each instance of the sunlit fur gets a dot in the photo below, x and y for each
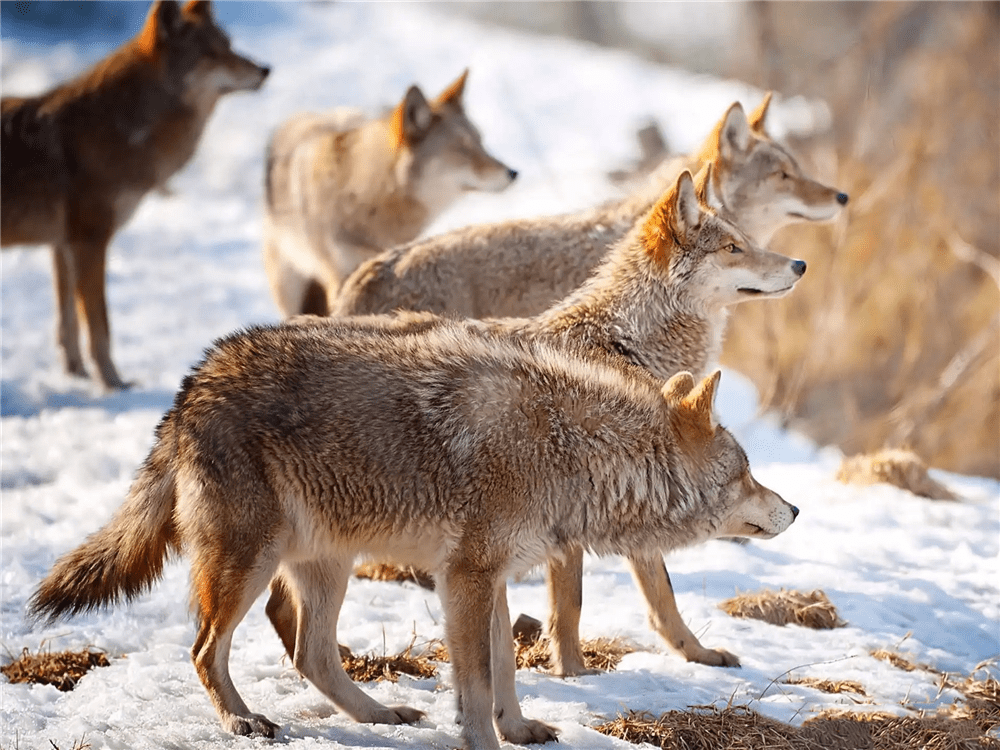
(340, 188)
(474, 454)
(521, 267)
(76, 161)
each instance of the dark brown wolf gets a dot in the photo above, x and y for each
(75, 162)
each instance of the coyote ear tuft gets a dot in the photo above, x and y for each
(704, 185)
(412, 117)
(734, 135)
(678, 387)
(701, 400)
(453, 94)
(758, 117)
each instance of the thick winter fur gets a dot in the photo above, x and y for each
(519, 268)
(77, 160)
(340, 190)
(659, 300)
(470, 453)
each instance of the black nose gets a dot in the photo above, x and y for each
(799, 266)
(842, 199)
(795, 512)
(512, 173)
(265, 71)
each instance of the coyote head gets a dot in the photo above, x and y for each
(195, 53)
(709, 261)
(756, 183)
(741, 506)
(442, 150)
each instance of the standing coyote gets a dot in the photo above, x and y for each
(75, 162)
(469, 453)
(340, 190)
(659, 300)
(521, 267)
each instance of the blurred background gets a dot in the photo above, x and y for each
(897, 342)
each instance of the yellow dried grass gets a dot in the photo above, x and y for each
(374, 668)
(386, 572)
(740, 728)
(828, 686)
(811, 610)
(62, 669)
(898, 467)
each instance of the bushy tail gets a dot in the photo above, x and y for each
(125, 557)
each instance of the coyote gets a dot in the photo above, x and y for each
(519, 268)
(340, 190)
(75, 162)
(659, 300)
(464, 451)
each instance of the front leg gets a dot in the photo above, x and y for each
(654, 582)
(506, 708)
(467, 595)
(565, 602)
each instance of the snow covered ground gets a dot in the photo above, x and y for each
(902, 571)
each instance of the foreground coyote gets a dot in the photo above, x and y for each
(521, 267)
(470, 453)
(76, 162)
(340, 190)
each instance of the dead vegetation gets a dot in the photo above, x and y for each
(374, 668)
(828, 686)
(900, 468)
(598, 653)
(385, 572)
(811, 610)
(893, 337)
(741, 728)
(62, 669)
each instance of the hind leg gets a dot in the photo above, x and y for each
(316, 592)
(224, 590)
(506, 708)
(67, 325)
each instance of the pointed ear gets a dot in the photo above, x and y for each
(198, 9)
(758, 116)
(701, 400)
(687, 213)
(163, 19)
(412, 117)
(453, 94)
(734, 135)
(704, 186)
(677, 388)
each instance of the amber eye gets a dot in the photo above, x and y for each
(784, 175)
(735, 249)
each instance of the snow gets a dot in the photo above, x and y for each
(903, 571)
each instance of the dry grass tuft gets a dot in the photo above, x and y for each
(811, 610)
(598, 653)
(828, 686)
(901, 662)
(740, 728)
(384, 572)
(63, 669)
(900, 468)
(980, 704)
(372, 668)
